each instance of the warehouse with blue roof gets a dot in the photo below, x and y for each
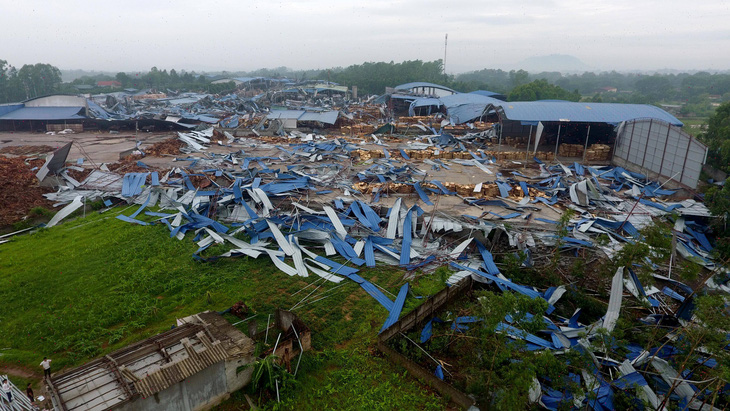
(642, 138)
(639, 137)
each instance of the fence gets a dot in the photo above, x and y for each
(416, 317)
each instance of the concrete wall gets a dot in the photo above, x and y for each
(198, 392)
(717, 175)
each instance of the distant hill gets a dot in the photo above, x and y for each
(553, 62)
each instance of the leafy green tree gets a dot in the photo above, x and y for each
(717, 138)
(502, 371)
(373, 78)
(4, 80)
(39, 79)
(518, 78)
(541, 90)
(718, 201)
(123, 78)
(656, 87)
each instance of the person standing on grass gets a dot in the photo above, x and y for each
(29, 393)
(6, 390)
(46, 364)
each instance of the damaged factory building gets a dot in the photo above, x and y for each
(323, 186)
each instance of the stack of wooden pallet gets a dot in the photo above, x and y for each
(598, 152)
(570, 150)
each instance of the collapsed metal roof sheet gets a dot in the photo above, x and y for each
(463, 107)
(290, 114)
(327, 117)
(532, 112)
(408, 86)
(44, 113)
(486, 93)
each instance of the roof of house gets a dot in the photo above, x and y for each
(151, 365)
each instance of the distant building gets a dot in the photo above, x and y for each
(607, 90)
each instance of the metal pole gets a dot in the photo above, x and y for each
(588, 133)
(557, 142)
(529, 139)
(501, 127)
(266, 339)
(301, 349)
(277, 344)
(239, 322)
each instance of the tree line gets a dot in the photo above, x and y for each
(697, 93)
(29, 81)
(34, 80)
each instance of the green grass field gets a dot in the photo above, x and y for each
(95, 284)
(693, 121)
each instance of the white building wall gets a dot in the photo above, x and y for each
(57, 101)
(660, 150)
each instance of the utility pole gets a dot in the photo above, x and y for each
(446, 41)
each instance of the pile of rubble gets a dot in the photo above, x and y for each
(20, 191)
(308, 208)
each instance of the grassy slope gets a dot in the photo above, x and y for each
(93, 285)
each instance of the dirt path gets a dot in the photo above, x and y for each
(20, 372)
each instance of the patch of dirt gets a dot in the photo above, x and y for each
(79, 175)
(26, 150)
(128, 165)
(19, 189)
(167, 147)
(21, 372)
(200, 182)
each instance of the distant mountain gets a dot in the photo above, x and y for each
(554, 62)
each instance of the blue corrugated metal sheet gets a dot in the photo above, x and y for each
(532, 112)
(397, 307)
(44, 113)
(7, 108)
(487, 93)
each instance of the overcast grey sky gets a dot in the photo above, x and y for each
(129, 35)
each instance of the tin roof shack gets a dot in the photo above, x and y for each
(190, 367)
